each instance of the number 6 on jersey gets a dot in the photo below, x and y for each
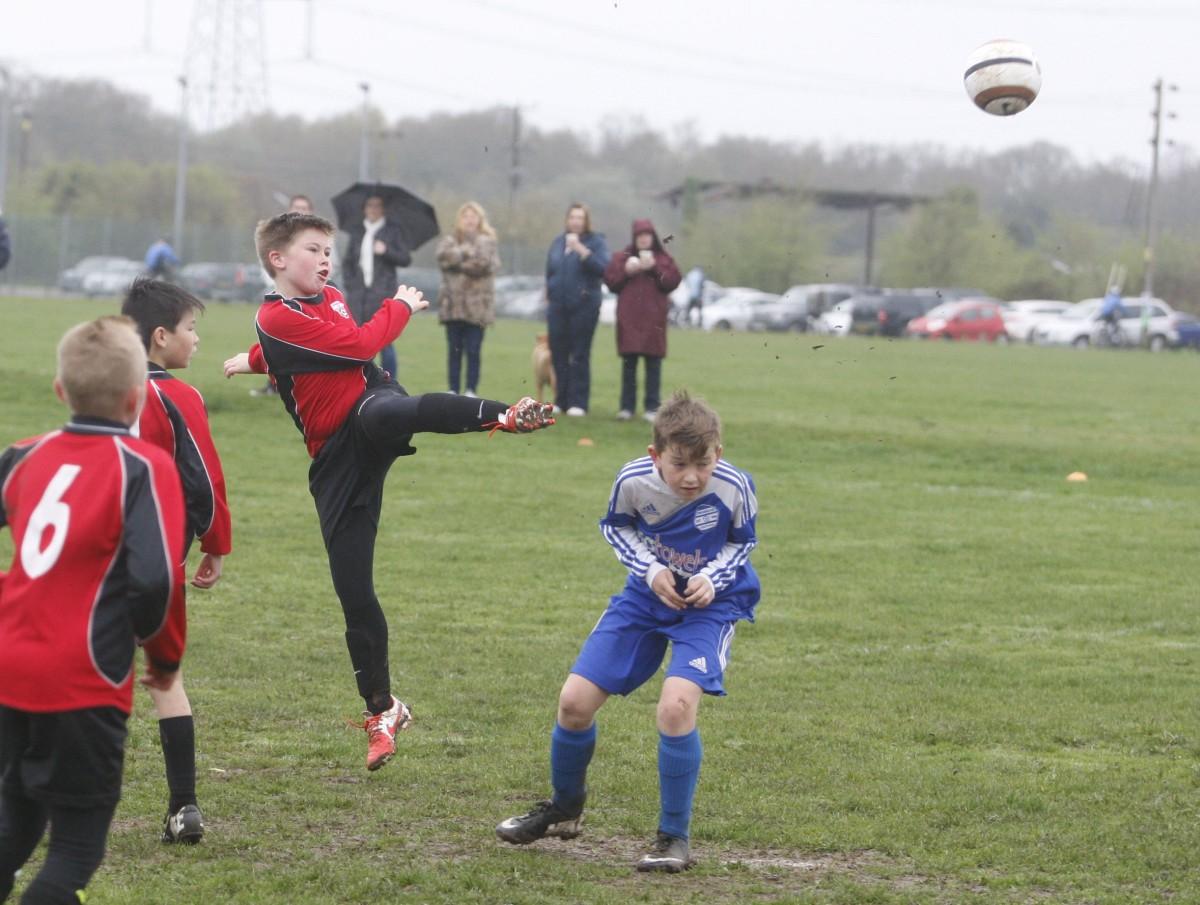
(51, 512)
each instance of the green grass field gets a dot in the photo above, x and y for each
(969, 679)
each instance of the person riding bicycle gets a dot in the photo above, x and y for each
(1111, 312)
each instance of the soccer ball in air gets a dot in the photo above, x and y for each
(1002, 77)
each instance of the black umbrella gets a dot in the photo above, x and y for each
(414, 216)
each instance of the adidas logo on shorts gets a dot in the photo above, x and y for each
(700, 664)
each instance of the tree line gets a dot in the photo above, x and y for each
(1027, 222)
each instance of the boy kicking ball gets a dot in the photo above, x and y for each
(681, 521)
(356, 420)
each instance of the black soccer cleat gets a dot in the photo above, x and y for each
(668, 853)
(185, 826)
(546, 819)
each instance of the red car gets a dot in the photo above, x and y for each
(968, 319)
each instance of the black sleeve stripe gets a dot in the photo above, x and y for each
(11, 460)
(198, 493)
(110, 645)
(146, 548)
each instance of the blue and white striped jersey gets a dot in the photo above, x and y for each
(651, 529)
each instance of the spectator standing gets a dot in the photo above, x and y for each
(643, 275)
(5, 245)
(574, 267)
(377, 247)
(694, 281)
(469, 260)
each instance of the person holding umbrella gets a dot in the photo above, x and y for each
(377, 247)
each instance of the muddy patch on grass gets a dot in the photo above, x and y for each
(733, 874)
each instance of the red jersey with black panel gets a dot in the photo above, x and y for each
(319, 358)
(97, 521)
(175, 420)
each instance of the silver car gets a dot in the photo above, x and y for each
(1081, 325)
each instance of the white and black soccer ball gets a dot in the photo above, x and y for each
(1003, 77)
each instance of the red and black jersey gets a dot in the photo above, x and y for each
(175, 420)
(97, 520)
(319, 358)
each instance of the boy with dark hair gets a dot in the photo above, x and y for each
(681, 521)
(97, 521)
(176, 420)
(356, 420)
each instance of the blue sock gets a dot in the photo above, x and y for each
(679, 759)
(570, 754)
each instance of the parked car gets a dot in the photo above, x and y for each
(898, 308)
(1187, 330)
(427, 279)
(799, 306)
(733, 310)
(71, 279)
(970, 320)
(521, 296)
(856, 314)
(224, 282)
(608, 306)
(1080, 325)
(1022, 318)
(113, 278)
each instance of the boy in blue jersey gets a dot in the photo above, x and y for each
(681, 521)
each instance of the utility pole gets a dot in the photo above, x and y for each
(364, 141)
(181, 168)
(308, 40)
(1148, 230)
(514, 183)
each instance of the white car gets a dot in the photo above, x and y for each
(837, 320)
(679, 300)
(1080, 325)
(734, 309)
(1022, 319)
(113, 279)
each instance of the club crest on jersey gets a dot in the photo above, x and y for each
(340, 307)
(706, 518)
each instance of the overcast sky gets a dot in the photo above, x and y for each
(880, 71)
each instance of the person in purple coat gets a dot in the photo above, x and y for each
(643, 275)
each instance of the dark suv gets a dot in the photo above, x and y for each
(898, 308)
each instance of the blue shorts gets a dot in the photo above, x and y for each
(629, 642)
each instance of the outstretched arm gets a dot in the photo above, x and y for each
(239, 364)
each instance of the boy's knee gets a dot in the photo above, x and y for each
(676, 714)
(575, 711)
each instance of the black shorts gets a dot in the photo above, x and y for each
(72, 758)
(352, 466)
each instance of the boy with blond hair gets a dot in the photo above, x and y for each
(97, 521)
(175, 420)
(681, 520)
(356, 420)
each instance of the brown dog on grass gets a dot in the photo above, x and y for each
(543, 368)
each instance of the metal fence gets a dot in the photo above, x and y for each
(43, 247)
